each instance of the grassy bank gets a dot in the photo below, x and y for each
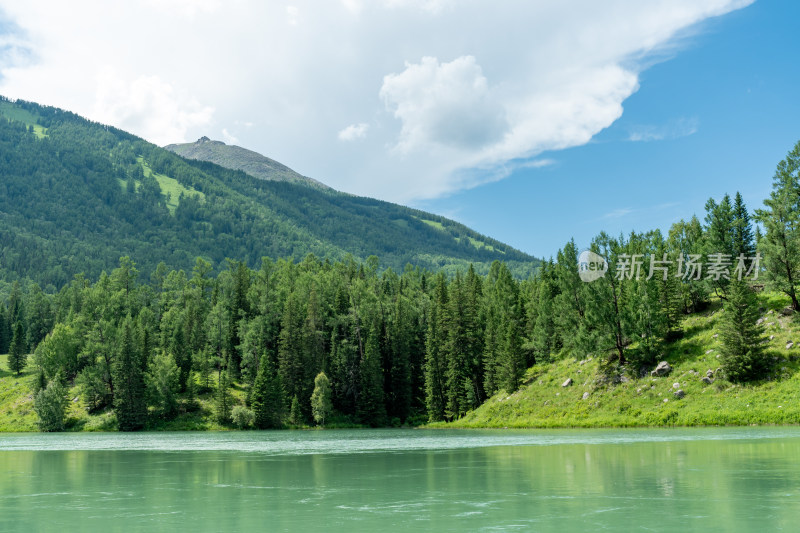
(596, 397)
(624, 399)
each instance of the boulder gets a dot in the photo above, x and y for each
(585, 396)
(707, 380)
(567, 383)
(789, 345)
(662, 369)
(676, 385)
(787, 311)
(710, 373)
(679, 394)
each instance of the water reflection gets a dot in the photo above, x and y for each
(734, 485)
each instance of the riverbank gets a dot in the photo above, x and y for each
(568, 393)
(594, 398)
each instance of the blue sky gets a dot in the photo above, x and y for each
(531, 121)
(727, 104)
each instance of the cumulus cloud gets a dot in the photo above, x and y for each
(148, 106)
(447, 104)
(353, 132)
(455, 93)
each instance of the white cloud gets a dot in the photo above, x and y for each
(292, 13)
(147, 106)
(455, 93)
(228, 138)
(674, 129)
(446, 104)
(353, 132)
(431, 6)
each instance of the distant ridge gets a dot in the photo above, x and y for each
(76, 195)
(238, 158)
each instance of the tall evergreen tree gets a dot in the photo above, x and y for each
(544, 341)
(743, 240)
(370, 406)
(291, 346)
(780, 244)
(504, 359)
(223, 401)
(435, 353)
(569, 301)
(742, 350)
(129, 386)
(267, 399)
(5, 330)
(17, 353)
(456, 351)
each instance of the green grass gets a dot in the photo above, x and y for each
(627, 401)
(432, 223)
(16, 400)
(171, 189)
(632, 401)
(11, 112)
(477, 244)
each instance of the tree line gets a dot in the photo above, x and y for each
(346, 341)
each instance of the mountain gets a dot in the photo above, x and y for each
(76, 195)
(238, 158)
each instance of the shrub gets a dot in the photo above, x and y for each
(242, 417)
(50, 405)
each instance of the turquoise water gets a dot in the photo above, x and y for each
(737, 479)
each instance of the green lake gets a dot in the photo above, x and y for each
(723, 479)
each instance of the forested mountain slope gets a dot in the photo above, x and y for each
(75, 196)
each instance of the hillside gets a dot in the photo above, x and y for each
(238, 158)
(625, 399)
(614, 400)
(77, 195)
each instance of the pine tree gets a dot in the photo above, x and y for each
(128, 378)
(781, 218)
(569, 301)
(742, 229)
(321, 406)
(473, 333)
(435, 356)
(267, 398)
(544, 324)
(456, 351)
(370, 407)
(295, 414)
(742, 349)
(291, 346)
(504, 358)
(17, 354)
(5, 330)
(223, 402)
